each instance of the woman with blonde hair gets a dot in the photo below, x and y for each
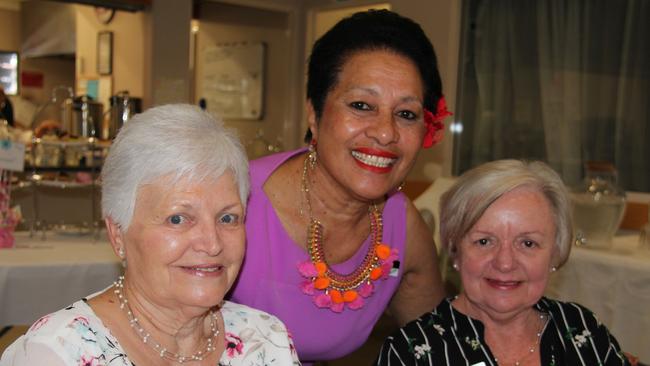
(507, 227)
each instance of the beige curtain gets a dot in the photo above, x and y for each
(564, 81)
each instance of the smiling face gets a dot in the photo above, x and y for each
(185, 244)
(372, 124)
(505, 259)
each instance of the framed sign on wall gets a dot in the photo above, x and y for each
(105, 53)
(233, 80)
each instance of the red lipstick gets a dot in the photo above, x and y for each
(374, 152)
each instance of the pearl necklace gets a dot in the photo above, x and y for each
(532, 348)
(146, 337)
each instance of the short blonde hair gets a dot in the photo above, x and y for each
(466, 201)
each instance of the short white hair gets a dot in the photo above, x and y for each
(176, 141)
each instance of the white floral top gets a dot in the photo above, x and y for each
(76, 336)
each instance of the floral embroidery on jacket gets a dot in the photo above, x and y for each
(474, 343)
(439, 329)
(581, 339)
(422, 350)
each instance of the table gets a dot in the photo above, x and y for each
(41, 276)
(615, 285)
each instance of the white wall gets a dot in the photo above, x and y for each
(128, 48)
(441, 21)
(9, 27)
(285, 31)
(226, 23)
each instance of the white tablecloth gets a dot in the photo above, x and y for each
(615, 285)
(42, 276)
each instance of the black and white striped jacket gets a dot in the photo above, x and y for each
(573, 336)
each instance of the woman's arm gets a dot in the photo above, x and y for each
(421, 287)
(29, 354)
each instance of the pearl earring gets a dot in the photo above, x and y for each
(553, 269)
(120, 253)
(455, 265)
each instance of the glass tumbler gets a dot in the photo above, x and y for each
(598, 206)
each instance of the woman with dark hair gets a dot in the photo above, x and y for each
(332, 243)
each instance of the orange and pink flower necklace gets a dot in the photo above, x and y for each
(328, 288)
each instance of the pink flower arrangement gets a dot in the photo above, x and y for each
(6, 237)
(9, 218)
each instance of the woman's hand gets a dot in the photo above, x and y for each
(634, 361)
(48, 126)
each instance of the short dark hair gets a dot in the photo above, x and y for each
(370, 30)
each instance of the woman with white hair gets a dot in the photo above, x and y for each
(507, 226)
(174, 190)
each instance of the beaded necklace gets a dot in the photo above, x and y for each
(146, 337)
(331, 289)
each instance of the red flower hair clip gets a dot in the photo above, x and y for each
(434, 125)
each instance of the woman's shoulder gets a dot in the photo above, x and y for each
(580, 326)
(263, 169)
(255, 334)
(235, 314)
(434, 324)
(63, 320)
(574, 320)
(72, 334)
(266, 165)
(569, 312)
(421, 339)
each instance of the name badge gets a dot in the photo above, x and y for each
(394, 271)
(12, 155)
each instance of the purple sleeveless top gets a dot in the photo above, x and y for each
(269, 279)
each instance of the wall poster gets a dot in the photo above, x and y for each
(105, 53)
(233, 80)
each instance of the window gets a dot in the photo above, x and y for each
(9, 72)
(563, 81)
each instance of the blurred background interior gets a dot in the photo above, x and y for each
(567, 82)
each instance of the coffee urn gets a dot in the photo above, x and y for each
(123, 107)
(82, 116)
